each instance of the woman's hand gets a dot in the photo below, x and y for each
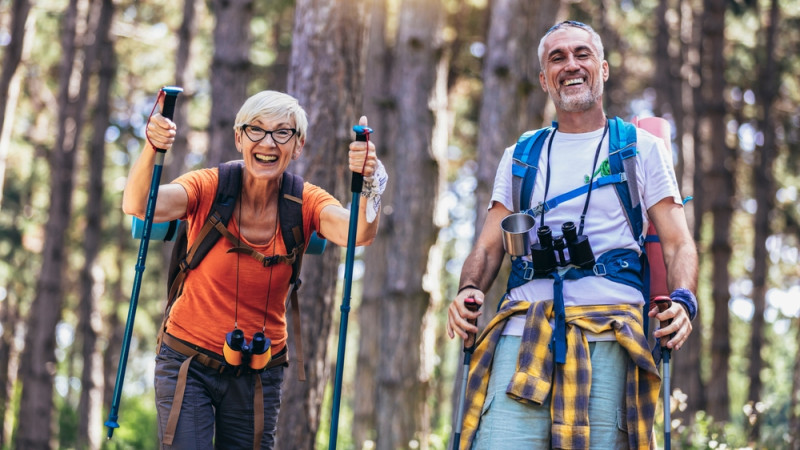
(161, 132)
(363, 160)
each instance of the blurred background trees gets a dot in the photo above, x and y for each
(447, 85)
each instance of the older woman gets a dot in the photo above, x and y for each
(231, 290)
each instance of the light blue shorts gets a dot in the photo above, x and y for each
(508, 424)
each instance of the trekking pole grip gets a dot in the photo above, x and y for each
(362, 135)
(473, 306)
(168, 110)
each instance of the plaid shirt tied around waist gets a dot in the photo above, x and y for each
(537, 374)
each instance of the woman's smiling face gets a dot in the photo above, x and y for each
(267, 157)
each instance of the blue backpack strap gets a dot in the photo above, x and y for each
(622, 153)
(525, 166)
(621, 158)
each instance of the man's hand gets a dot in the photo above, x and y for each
(462, 318)
(676, 324)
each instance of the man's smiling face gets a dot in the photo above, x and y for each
(572, 71)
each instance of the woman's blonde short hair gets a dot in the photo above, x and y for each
(273, 105)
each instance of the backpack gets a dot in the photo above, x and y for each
(185, 258)
(622, 165)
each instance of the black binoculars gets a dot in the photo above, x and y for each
(255, 354)
(560, 251)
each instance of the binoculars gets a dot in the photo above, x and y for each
(560, 251)
(255, 354)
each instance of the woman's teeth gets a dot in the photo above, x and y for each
(266, 158)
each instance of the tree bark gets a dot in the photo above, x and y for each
(38, 358)
(114, 328)
(380, 108)
(404, 372)
(9, 88)
(326, 76)
(764, 193)
(229, 75)
(91, 283)
(184, 78)
(720, 180)
(685, 367)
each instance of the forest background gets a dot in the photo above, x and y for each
(447, 85)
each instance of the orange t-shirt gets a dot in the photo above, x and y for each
(208, 308)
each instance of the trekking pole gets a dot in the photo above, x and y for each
(664, 303)
(471, 305)
(356, 185)
(170, 96)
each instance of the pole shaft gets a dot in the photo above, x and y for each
(356, 186)
(461, 400)
(667, 389)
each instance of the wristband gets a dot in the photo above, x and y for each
(372, 190)
(685, 298)
(469, 286)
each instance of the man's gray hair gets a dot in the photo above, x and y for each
(596, 41)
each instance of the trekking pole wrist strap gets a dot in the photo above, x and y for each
(687, 299)
(372, 189)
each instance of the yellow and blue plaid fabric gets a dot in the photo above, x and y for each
(537, 375)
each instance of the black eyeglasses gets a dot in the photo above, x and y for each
(257, 134)
(573, 23)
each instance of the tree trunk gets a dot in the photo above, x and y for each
(380, 108)
(92, 284)
(114, 328)
(721, 182)
(404, 370)
(38, 364)
(229, 75)
(184, 78)
(9, 82)
(764, 193)
(326, 76)
(685, 373)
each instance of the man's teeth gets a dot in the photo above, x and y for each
(266, 158)
(573, 81)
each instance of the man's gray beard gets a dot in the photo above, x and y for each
(579, 102)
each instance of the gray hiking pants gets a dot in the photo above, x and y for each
(218, 409)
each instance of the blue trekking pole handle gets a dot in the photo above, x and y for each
(356, 185)
(168, 110)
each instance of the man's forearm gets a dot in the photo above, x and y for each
(479, 270)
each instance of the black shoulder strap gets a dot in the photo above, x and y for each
(185, 257)
(230, 183)
(290, 209)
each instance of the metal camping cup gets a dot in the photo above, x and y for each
(516, 237)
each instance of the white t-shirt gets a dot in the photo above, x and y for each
(572, 156)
